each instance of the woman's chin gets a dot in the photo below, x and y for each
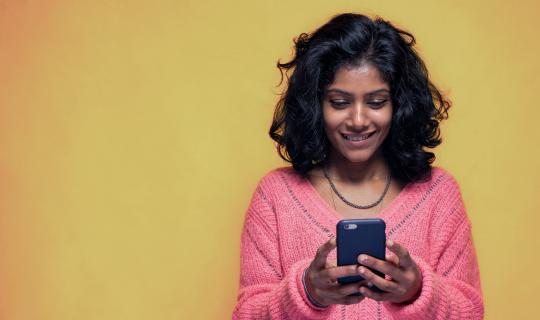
(359, 159)
(362, 157)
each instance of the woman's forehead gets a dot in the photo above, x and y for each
(358, 79)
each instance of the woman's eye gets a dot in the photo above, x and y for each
(339, 103)
(377, 103)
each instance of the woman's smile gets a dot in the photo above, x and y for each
(357, 139)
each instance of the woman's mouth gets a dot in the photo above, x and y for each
(356, 137)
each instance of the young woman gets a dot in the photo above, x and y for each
(356, 121)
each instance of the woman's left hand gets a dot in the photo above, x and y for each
(403, 279)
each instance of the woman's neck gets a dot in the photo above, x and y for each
(340, 168)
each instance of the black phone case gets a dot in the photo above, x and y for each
(360, 236)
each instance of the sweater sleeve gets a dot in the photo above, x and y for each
(451, 280)
(266, 290)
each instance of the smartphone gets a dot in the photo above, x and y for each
(360, 236)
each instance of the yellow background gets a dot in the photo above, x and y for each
(132, 134)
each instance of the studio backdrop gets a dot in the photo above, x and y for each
(133, 133)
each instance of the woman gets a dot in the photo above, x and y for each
(355, 120)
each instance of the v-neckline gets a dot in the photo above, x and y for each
(384, 214)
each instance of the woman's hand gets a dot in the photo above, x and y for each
(321, 279)
(403, 279)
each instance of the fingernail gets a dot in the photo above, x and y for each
(370, 284)
(363, 258)
(361, 270)
(389, 243)
(363, 290)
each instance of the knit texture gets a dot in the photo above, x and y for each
(287, 220)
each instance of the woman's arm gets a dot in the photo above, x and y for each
(451, 280)
(266, 291)
(451, 290)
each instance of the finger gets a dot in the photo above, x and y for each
(375, 295)
(322, 254)
(379, 282)
(392, 258)
(337, 272)
(344, 290)
(339, 294)
(380, 265)
(351, 300)
(405, 259)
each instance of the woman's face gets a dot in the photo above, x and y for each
(357, 112)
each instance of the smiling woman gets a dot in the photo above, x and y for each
(356, 120)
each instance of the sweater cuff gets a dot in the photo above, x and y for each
(420, 307)
(311, 301)
(299, 298)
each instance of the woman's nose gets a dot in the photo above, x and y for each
(358, 116)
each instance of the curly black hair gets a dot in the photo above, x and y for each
(352, 40)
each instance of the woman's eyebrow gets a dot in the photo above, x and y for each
(377, 92)
(340, 92)
(333, 90)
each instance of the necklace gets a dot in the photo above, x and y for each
(354, 205)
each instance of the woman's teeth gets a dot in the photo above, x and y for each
(356, 137)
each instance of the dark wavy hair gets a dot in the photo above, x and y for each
(350, 40)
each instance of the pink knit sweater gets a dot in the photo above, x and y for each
(288, 220)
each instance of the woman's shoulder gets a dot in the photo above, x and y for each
(437, 176)
(438, 181)
(278, 182)
(280, 174)
(279, 178)
(444, 191)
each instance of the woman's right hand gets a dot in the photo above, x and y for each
(321, 279)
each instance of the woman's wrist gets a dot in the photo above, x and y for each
(310, 298)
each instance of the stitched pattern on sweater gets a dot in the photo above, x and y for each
(265, 199)
(301, 206)
(276, 273)
(456, 259)
(460, 253)
(416, 206)
(379, 316)
(449, 312)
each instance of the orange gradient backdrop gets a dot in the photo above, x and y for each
(132, 134)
